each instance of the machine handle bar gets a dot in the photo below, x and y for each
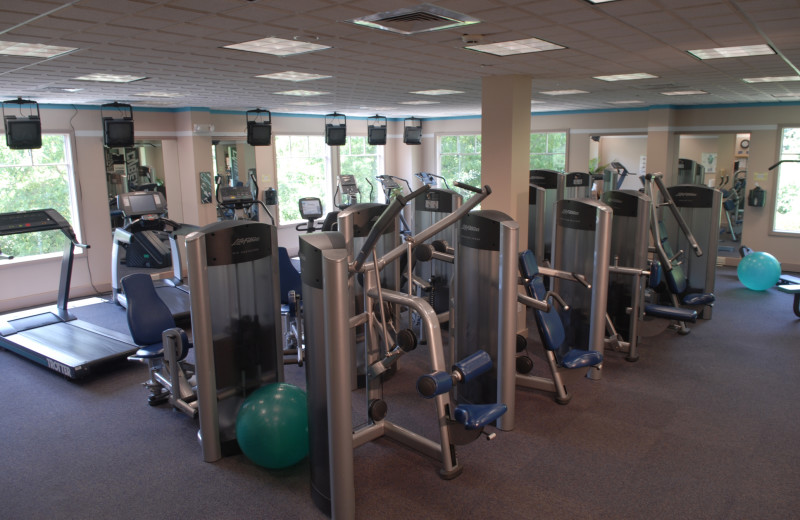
(383, 223)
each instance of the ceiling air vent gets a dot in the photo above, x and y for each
(413, 20)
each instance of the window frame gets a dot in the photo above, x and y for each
(439, 153)
(780, 171)
(548, 133)
(72, 187)
(333, 168)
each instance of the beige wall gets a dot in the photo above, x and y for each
(186, 152)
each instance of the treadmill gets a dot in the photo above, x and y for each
(142, 211)
(56, 339)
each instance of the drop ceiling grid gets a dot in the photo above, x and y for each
(160, 38)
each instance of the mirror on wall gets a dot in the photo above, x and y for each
(719, 160)
(619, 160)
(136, 168)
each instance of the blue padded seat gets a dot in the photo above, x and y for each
(676, 278)
(551, 329)
(290, 280)
(669, 312)
(476, 416)
(148, 315)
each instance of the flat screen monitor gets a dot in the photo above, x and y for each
(23, 134)
(118, 133)
(376, 135)
(259, 133)
(335, 135)
(310, 208)
(138, 203)
(412, 135)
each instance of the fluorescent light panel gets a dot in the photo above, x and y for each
(110, 78)
(684, 92)
(600, 1)
(308, 104)
(277, 46)
(291, 75)
(627, 102)
(626, 77)
(159, 94)
(437, 92)
(302, 93)
(420, 102)
(568, 92)
(33, 50)
(515, 47)
(771, 79)
(732, 52)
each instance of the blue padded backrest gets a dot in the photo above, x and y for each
(290, 277)
(551, 330)
(676, 277)
(148, 315)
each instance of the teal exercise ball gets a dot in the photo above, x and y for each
(759, 271)
(272, 426)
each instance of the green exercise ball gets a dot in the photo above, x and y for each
(759, 271)
(272, 426)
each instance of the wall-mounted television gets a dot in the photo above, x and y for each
(117, 133)
(376, 135)
(412, 135)
(335, 135)
(259, 133)
(23, 133)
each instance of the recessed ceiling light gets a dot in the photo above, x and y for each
(110, 78)
(33, 50)
(790, 95)
(563, 92)
(600, 1)
(627, 102)
(515, 47)
(684, 92)
(419, 102)
(159, 94)
(277, 46)
(302, 93)
(626, 77)
(732, 52)
(437, 92)
(291, 75)
(537, 102)
(771, 79)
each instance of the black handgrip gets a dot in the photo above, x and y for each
(468, 187)
(414, 194)
(383, 223)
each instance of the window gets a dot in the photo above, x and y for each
(37, 179)
(787, 201)
(303, 170)
(549, 151)
(460, 159)
(365, 162)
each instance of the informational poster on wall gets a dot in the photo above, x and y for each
(206, 188)
(642, 164)
(709, 162)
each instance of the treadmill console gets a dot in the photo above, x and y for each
(310, 208)
(229, 195)
(140, 203)
(31, 221)
(348, 184)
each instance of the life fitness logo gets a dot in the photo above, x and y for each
(244, 241)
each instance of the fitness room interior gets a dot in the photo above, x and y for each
(317, 259)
